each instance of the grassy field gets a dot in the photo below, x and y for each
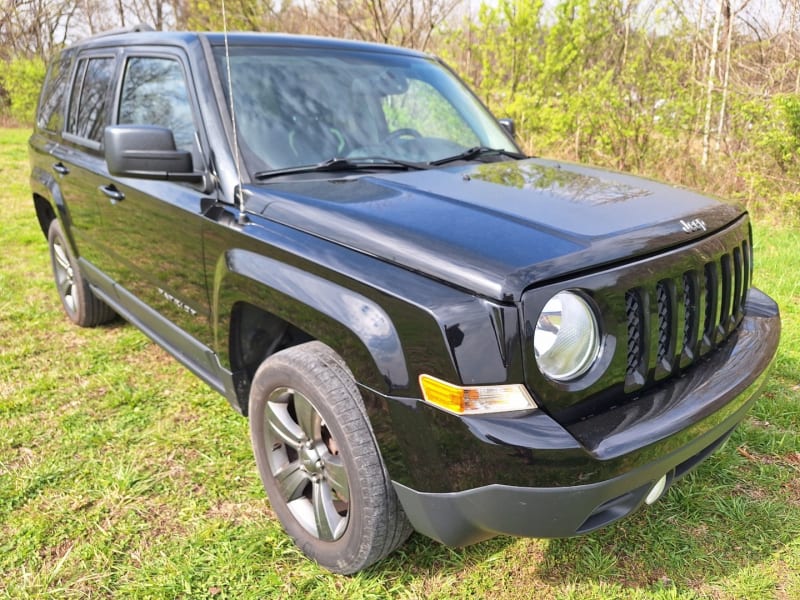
(122, 475)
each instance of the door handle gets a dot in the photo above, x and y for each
(60, 168)
(112, 192)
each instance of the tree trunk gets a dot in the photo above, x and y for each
(712, 68)
(726, 77)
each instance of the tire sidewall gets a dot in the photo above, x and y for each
(349, 549)
(55, 234)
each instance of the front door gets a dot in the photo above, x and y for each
(152, 230)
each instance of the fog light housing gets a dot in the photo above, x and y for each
(656, 491)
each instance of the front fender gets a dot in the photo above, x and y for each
(352, 324)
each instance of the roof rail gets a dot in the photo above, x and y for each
(140, 27)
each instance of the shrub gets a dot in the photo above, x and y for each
(20, 82)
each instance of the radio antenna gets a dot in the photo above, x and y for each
(238, 192)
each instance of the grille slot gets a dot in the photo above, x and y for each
(664, 325)
(674, 321)
(738, 275)
(725, 304)
(747, 269)
(710, 303)
(634, 315)
(689, 315)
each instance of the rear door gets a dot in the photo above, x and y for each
(78, 161)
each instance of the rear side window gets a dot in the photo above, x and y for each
(51, 107)
(89, 98)
(154, 93)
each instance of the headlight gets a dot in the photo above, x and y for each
(567, 340)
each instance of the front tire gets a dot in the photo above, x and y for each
(81, 305)
(319, 461)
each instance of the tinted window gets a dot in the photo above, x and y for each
(154, 93)
(423, 108)
(302, 106)
(75, 97)
(51, 107)
(87, 113)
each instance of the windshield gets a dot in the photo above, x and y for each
(298, 106)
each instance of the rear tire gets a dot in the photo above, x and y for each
(81, 305)
(319, 461)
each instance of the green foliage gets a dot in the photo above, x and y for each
(790, 105)
(622, 84)
(576, 80)
(776, 124)
(765, 143)
(21, 80)
(241, 15)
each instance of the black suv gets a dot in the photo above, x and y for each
(426, 328)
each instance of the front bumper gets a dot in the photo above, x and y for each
(665, 432)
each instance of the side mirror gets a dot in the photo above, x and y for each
(147, 152)
(508, 125)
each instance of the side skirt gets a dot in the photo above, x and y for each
(198, 358)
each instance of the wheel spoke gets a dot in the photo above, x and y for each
(61, 257)
(328, 521)
(307, 417)
(292, 481)
(65, 287)
(337, 477)
(301, 459)
(280, 423)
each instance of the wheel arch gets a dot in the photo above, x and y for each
(45, 213)
(49, 203)
(262, 305)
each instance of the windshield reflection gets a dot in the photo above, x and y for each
(297, 107)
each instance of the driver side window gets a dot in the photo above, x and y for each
(154, 93)
(422, 107)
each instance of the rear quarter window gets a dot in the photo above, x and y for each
(88, 107)
(50, 115)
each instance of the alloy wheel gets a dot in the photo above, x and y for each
(304, 461)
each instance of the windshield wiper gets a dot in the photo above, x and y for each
(476, 152)
(361, 163)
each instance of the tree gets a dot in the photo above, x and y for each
(35, 27)
(241, 15)
(409, 23)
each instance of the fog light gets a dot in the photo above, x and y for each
(656, 491)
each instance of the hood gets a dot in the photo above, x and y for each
(495, 229)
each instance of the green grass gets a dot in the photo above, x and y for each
(122, 475)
